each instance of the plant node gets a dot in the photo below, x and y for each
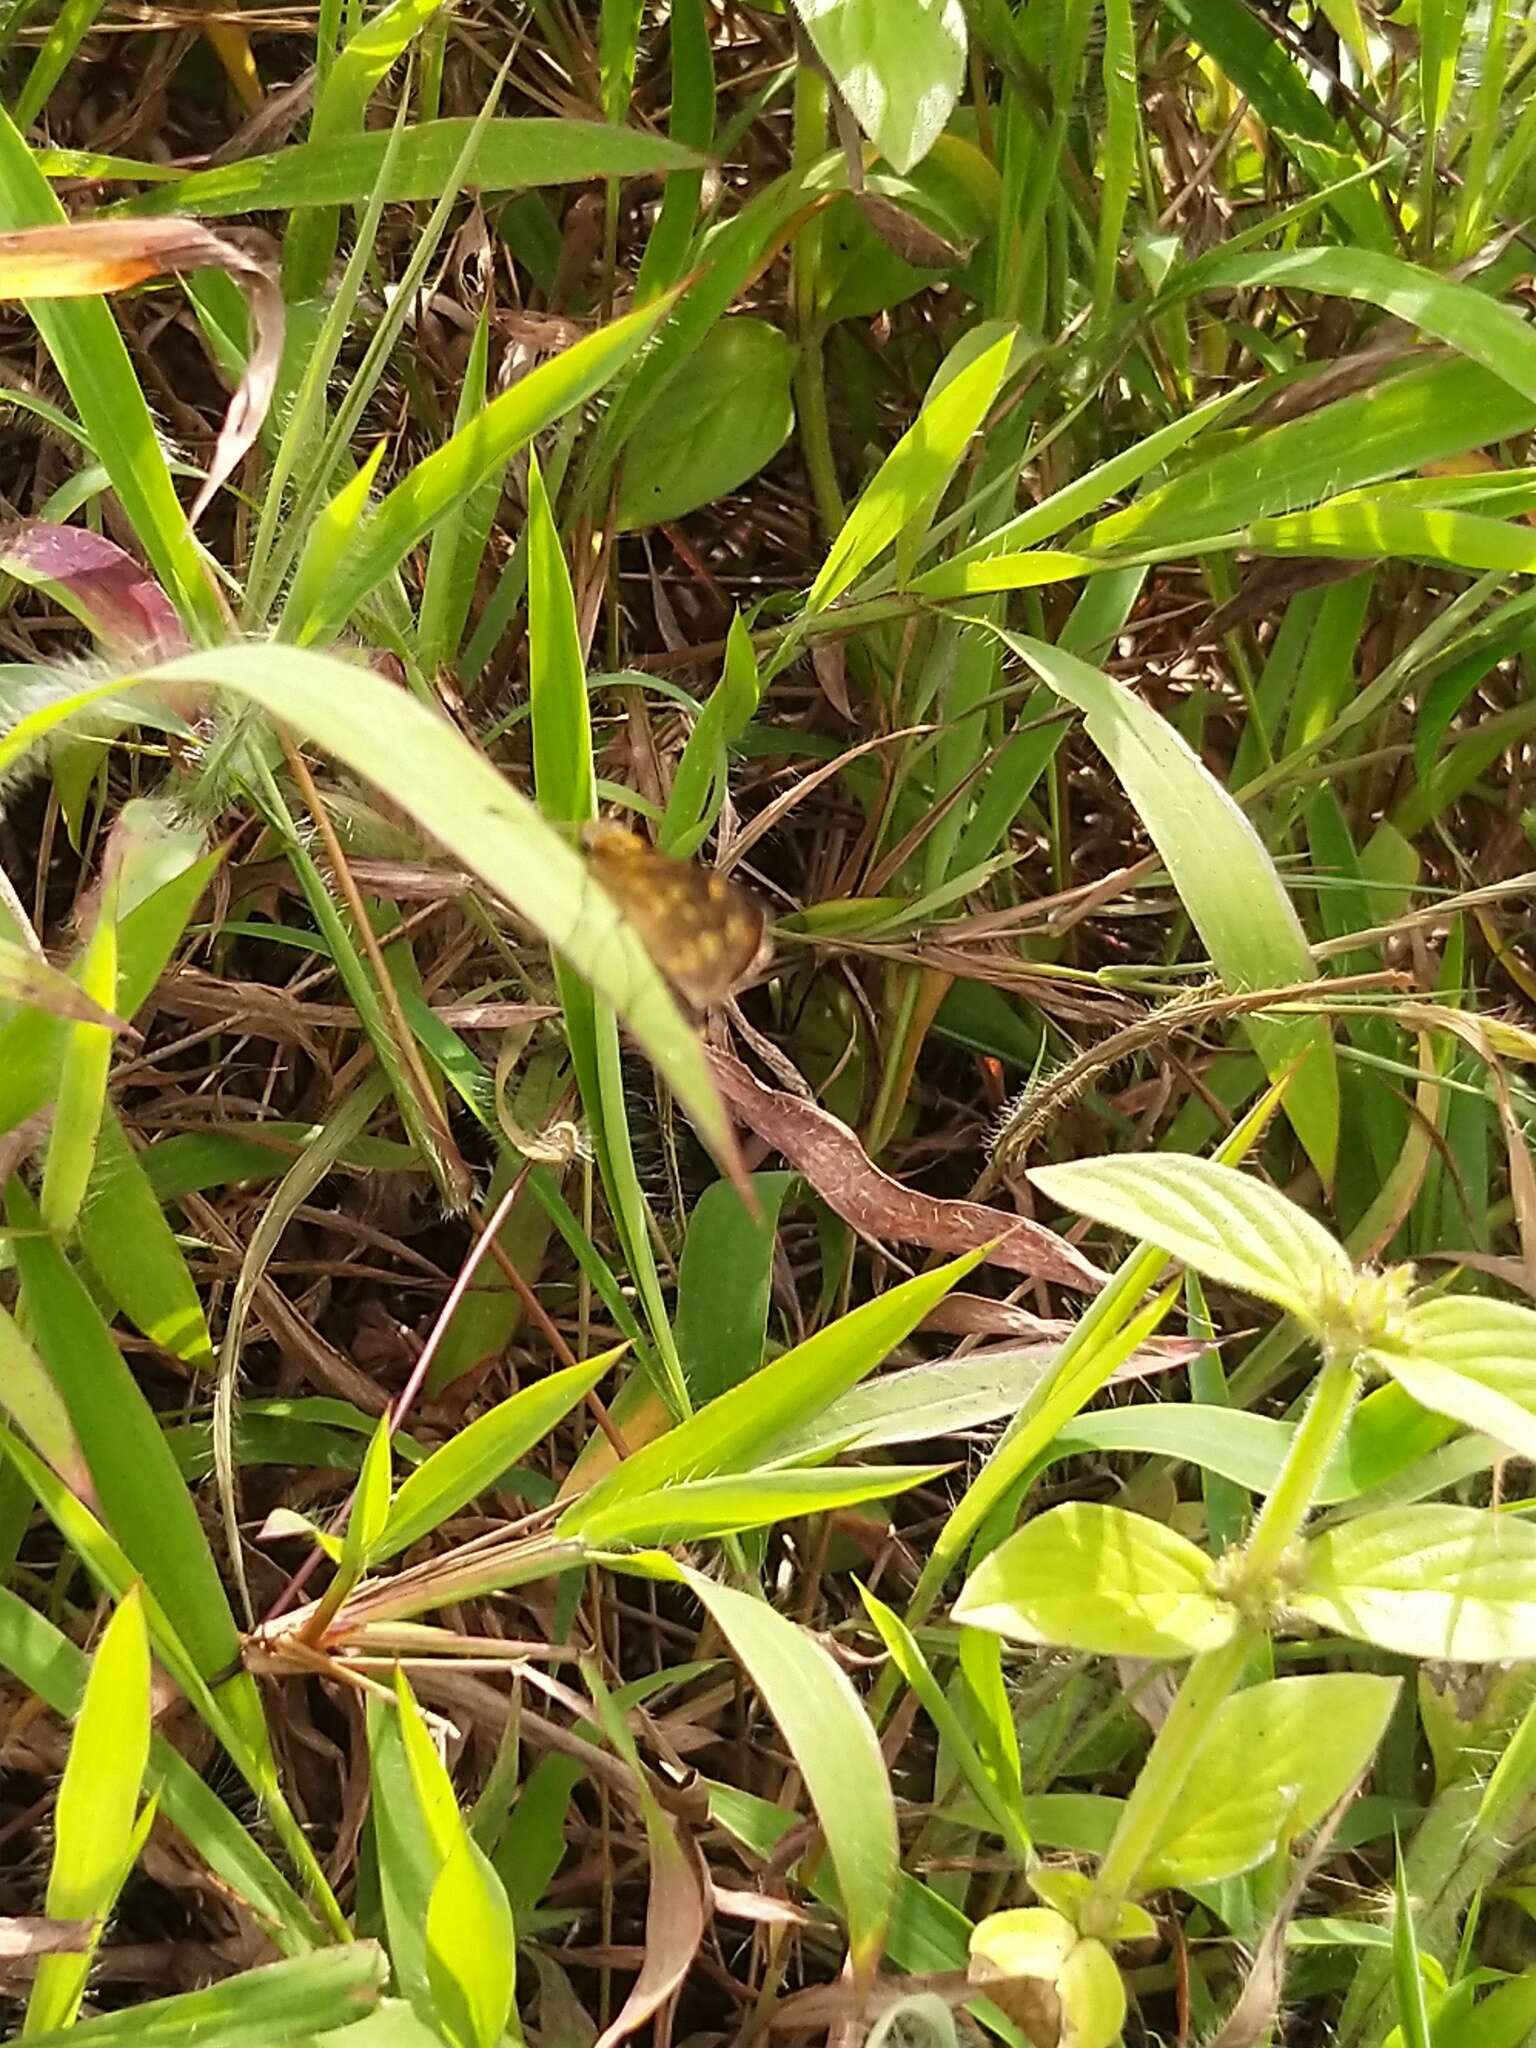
(1363, 1312)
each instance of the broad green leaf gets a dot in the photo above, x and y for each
(1471, 1359)
(1089, 1577)
(512, 156)
(684, 1512)
(260, 2008)
(915, 471)
(1230, 1226)
(730, 255)
(1036, 1942)
(741, 1427)
(1387, 1434)
(1264, 1778)
(1451, 1582)
(479, 1455)
(469, 1941)
(93, 1822)
(1092, 1994)
(1118, 1321)
(732, 416)
(406, 1850)
(724, 1283)
(1223, 873)
(898, 63)
(828, 1733)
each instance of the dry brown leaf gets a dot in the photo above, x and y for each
(674, 1927)
(80, 258)
(912, 239)
(970, 1315)
(831, 1158)
(756, 1906)
(22, 1938)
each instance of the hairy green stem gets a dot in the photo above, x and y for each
(1213, 1675)
(1207, 1684)
(1281, 1517)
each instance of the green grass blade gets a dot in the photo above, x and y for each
(476, 1458)
(478, 451)
(134, 1253)
(830, 1738)
(1482, 328)
(1224, 876)
(742, 1426)
(94, 1828)
(52, 60)
(724, 1284)
(512, 156)
(340, 104)
(917, 469)
(82, 1088)
(143, 1499)
(48, 1664)
(423, 764)
(693, 125)
(279, 2002)
(458, 544)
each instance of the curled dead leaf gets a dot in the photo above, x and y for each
(81, 258)
(26, 977)
(831, 1158)
(102, 584)
(972, 1315)
(674, 1926)
(912, 239)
